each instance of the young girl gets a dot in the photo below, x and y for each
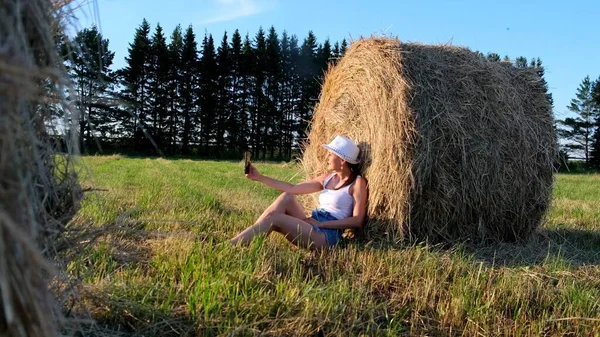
(343, 200)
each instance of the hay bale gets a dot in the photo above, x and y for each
(38, 188)
(454, 147)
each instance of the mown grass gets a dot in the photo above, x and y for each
(165, 266)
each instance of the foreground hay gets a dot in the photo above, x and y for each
(38, 190)
(453, 146)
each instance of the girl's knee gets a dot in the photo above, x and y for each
(287, 196)
(271, 220)
(271, 214)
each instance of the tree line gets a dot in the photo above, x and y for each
(182, 96)
(190, 98)
(580, 134)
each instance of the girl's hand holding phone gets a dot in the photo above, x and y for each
(253, 173)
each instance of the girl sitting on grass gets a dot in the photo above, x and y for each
(343, 200)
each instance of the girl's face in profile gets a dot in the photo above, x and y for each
(334, 163)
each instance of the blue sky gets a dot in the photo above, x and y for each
(564, 34)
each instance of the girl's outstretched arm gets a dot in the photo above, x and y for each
(306, 187)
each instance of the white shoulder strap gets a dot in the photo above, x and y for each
(358, 176)
(327, 179)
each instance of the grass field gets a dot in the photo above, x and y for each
(163, 265)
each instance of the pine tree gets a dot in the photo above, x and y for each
(324, 56)
(258, 108)
(579, 131)
(286, 90)
(159, 96)
(247, 89)
(309, 72)
(596, 92)
(343, 47)
(295, 95)
(135, 81)
(521, 62)
(493, 57)
(536, 65)
(595, 152)
(235, 122)
(52, 116)
(335, 53)
(273, 102)
(174, 88)
(208, 94)
(595, 149)
(290, 89)
(89, 66)
(223, 112)
(189, 85)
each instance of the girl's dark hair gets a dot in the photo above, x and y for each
(355, 169)
(353, 232)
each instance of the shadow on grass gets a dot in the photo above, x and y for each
(130, 326)
(576, 247)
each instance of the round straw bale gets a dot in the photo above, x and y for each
(453, 146)
(38, 188)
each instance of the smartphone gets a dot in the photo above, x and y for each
(247, 156)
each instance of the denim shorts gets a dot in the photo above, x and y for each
(333, 236)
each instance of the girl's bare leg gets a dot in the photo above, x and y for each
(296, 231)
(286, 203)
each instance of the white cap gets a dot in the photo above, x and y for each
(344, 148)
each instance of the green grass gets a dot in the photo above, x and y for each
(164, 267)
